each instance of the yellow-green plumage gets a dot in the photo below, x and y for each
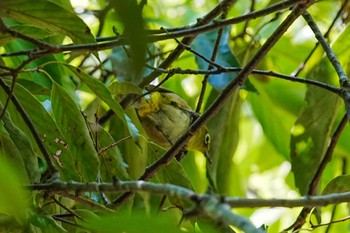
(165, 117)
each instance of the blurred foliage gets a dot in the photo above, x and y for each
(267, 141)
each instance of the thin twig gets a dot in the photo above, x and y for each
(14, 74)
(330, 223)
(113, 144)
(189, 49)
(323, 85)
(64, 207)
(84, 201)
(66, 221)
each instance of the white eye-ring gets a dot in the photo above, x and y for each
(207, 139)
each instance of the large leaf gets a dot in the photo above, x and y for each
(337, 185)
(172, 173)
(48, 131)
(11, 153)
(46, 223)
(225, 126)
(313, 128)
(20, 140)
(13, 198)
(28, 30)
(57, 73)
(100, 90)
(124, 222)
(74, 129)
(47, 15)
(122, 64)
(112, 164)
(275, 121)
(135, 35)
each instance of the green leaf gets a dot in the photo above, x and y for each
(46, 223)
(313, 128)
(33, 87)
(125, 222)
(100, 90)
(275, 121)
(23, 145)
(337, 185)
(122, 64)
(73, 127)
(11, 153)
(112, 164)
(27, 30)
(222, 127)
(135, 35)
(124, 88)
(47, 15)
(172, 173)
(48, 131)
(13, 198)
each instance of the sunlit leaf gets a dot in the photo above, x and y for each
(40, 14)
(11, 153)
(124, 88)
(124, 222)
(13, 198)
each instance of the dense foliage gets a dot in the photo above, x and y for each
(269, 78)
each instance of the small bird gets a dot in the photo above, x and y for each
(165, 116)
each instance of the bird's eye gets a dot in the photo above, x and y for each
(173, 103)
(207, 139)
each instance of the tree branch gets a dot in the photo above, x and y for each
(343, 79)
(206, 204)
(188, 32)
(188, 195)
